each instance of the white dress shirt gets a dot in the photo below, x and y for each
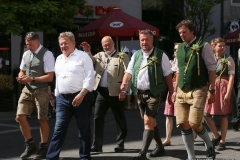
(48, 60)
(143, 79)
(74, 73)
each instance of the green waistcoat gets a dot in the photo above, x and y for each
(191, 79)
(35, 68)
(161, 84)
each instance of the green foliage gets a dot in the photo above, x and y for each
(6, 82)
(152, 4)
(21, 16)
(199, 11)
(88, 12)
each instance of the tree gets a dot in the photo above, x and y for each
(199, 12)
(18, 17)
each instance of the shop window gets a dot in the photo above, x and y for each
(5, 54)
(235, 2)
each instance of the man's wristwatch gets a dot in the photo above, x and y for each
(82, 93)
(211, 90)
(170, 92)
(33, 79)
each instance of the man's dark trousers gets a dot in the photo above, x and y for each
(102, 104)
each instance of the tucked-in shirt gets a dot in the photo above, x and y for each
(207, 55)
(104, 80)
(74, 73)
(143, 79)
(48, 60)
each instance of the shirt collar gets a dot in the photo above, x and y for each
(71, 54)
(111, 53)
(189, 44)
(146, 54)
(38, 49)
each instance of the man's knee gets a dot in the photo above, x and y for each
(149, 122)
(196, 127)
(21, 118)
(185, 125)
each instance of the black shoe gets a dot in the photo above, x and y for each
(157, 152)
(221, 147)
(141, 156)
(215, 142)
(119, 148)
(95, 149)
(31, 148)
(42, 151)
(211, 152)
(235, 126)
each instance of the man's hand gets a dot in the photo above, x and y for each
(24, 79)
(122, 96)
(77, 100)
(123, 87)
(211, 98)
(173, 97)
(170, 98)
(86, 47)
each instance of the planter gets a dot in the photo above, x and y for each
(6, 101)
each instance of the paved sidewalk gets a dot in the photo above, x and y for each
(11, 149)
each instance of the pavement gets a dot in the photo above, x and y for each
(10, 149)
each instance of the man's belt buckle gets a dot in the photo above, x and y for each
(143, 91)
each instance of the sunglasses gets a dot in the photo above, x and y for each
(31, 34)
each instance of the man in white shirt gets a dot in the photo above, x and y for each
(36, 70)
(150, 72)
(74, 83)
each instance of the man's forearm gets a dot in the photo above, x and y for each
(176, 82)
(169, 82)
(212, 78)
(126, 79)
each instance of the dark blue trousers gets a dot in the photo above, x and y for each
(64, 112)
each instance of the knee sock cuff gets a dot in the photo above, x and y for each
(186, 132)
(202, 132)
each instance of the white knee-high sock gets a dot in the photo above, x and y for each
(188, 140)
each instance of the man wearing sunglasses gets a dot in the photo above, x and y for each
(36, 70)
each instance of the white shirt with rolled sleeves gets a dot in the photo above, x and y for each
(48, 60)
(74, 73)
(143, 79)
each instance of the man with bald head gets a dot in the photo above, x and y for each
(108, 77)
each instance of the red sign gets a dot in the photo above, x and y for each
(100, 10)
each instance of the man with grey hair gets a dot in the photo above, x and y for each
(150, 73)
(109, 70)
(74, 83)
(36, 70)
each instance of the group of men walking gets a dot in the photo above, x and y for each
(110, 73)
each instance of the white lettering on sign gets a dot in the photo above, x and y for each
(153, 32)
(116, 24)
(233, 40)
(86, 34)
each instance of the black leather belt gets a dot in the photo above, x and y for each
(143, 91)
(105, 88)
(69, 95)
